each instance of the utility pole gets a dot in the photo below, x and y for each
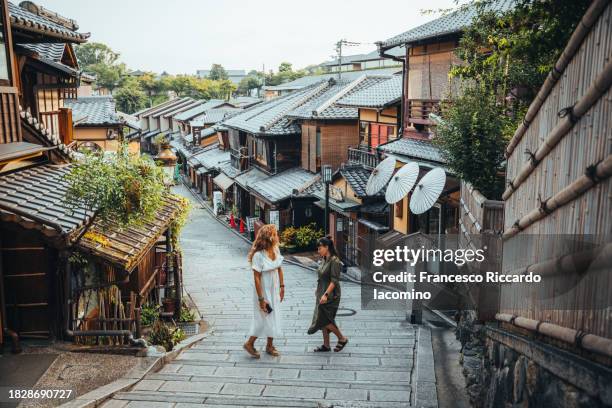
(339, 45)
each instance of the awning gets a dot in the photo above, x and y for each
(223, 181)
(126, 247)
(193, 163)
(150, 134)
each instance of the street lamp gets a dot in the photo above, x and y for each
(326, 173)
(167, 160)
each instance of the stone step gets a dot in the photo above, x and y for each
(355, 352)
(308, 366)
(265, 396)
(152, 382)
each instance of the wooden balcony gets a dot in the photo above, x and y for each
(418, 111)
(364, 156)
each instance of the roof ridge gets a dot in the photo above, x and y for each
(299, 101)
(334, 98)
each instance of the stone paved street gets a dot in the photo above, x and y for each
(375, 369)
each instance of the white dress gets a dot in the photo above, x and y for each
(266, 324)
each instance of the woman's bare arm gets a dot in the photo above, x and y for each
(259, 289)
(281, 280)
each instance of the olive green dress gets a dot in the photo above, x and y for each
(329, 271)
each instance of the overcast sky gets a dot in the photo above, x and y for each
(182, 36)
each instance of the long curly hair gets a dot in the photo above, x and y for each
(267, 238)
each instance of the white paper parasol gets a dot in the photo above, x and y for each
(402, 182)
(380, 176)
(427, 191)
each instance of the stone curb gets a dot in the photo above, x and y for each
(424, 388)
(148, 365)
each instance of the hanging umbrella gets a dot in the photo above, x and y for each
(427, 191)
(380, 176)
(402, 182)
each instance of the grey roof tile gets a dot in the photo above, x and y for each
(313, 79)
(28, 21)
(99, 110)
(414, 148)
(215, 115)
(50, 51)
(212, 158)
(357, 177)
(280, 186)
(199, 109)
(250, 177)
(41, 191)
(378, 95)
(447, 24)
(309, 109)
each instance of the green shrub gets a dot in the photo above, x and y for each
(287, 236)
(308, 235)
(161, 335)
(186, 314)
(149, 314)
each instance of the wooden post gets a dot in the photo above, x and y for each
(65, 125)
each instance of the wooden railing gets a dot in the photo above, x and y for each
(368, 158)
(418, 111)
(59, 123)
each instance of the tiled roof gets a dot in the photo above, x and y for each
(41, 192)
(414, 148)
(213, 157)
(325, 106)
(280, 186)
(164, 107)
(270, 118)
(377, 95)
(100, 110)
(50, 51)
(214, 116)
(199, 109)
(250, 177)
(186, 104)
(228, 169)
(313, 79)
(447, 24)
(357, 177)
(25, 20)
(145, 111)
(126, 246)
(245, 101)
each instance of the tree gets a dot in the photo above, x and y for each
(472, 139)
(285, 67)
(252, 81)
(95, 53)
(130, 97)
(108, 76)
(181, 85)
(505, 59)
(217, 72)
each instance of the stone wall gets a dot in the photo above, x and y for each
(507, 370)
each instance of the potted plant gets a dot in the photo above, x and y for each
(187, 321)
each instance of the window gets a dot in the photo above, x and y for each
(364, 134)
(4, 52)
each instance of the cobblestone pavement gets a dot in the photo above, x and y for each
(374, 370)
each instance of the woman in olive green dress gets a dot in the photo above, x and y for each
(327, 296)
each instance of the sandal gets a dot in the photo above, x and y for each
(322, 349)
(340, 345)
(272, 351)
(251, 350)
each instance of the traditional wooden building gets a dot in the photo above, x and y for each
(328, 129)
(64, 275)
(96, 122)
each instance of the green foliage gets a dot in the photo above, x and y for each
(186, 314)
(217, 73)
(123, 187)
(161, 335)
(159, 139)
(250, 82)
(130, 97)
(93, 53)
(505, 59)
(285, 74)
(107, 76)
(287, 236)
(178, 335)
(303, 237)
(149, 314)
(472, 139)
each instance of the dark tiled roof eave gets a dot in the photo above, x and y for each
(25, 20)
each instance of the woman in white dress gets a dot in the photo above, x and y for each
(268, 290)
